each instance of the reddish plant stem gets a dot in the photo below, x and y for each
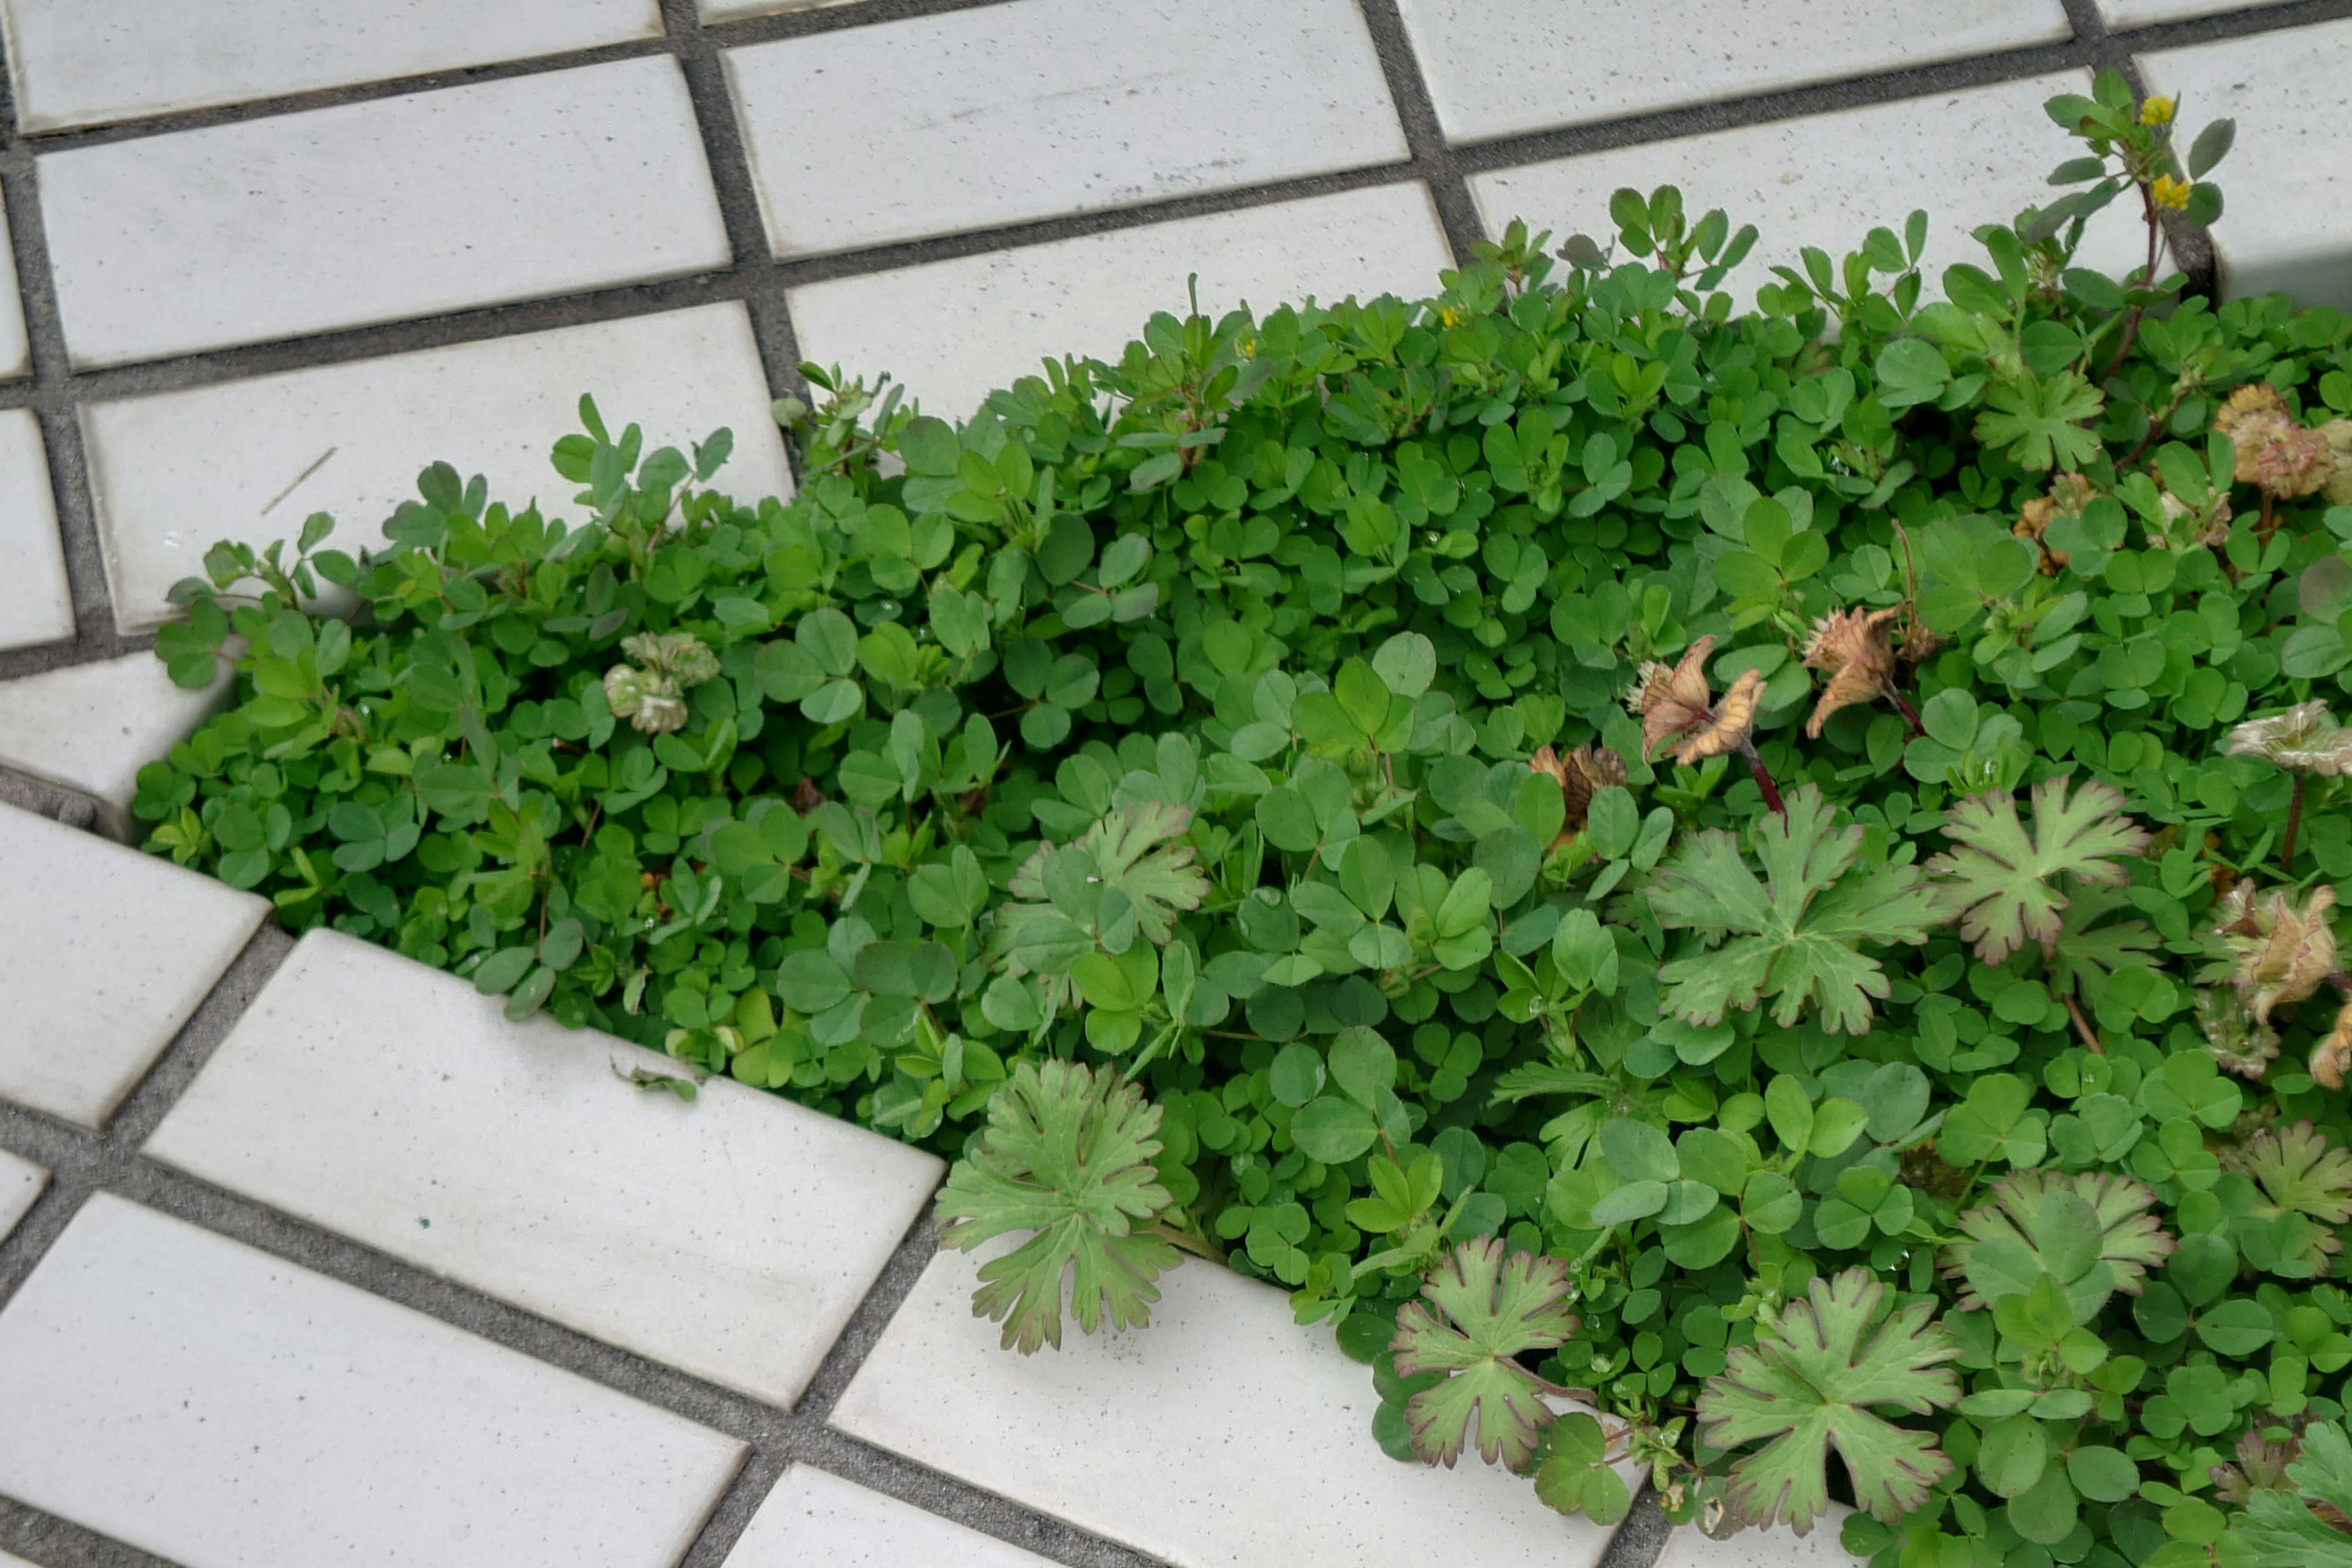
(2294, 821)
(1763, 780)
(1903, 706)
(2148, 280)
(2083, 1026)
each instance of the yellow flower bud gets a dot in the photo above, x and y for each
(2157, 110)
(2169, 192)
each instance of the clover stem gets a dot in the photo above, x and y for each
(1191, 1244)
(1903, 706)
(2266, 526)
(2294, 821)
(2082, 1025)
(1763, 780)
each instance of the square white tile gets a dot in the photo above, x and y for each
(1221, 1435)
(35, 601)
(1827, 179)
(954, 331)
(85, 62)
(524, 188)
(731, 1237)
(21, 1182)
(972, 120)
(92, 727)
(2286, 186)
(15, 348)
(349, 439)
(1499, 68)
(104, 953)
(814, 1517)
(221, 1408)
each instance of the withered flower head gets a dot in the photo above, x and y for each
(2333, 1054)
(2069, 494)
(2338, 433)
(1675, 703)
(2283, 952)
(2242, 1045)
(2274, 451)
(2305, 738)
(1853, 646)
(1579, 775)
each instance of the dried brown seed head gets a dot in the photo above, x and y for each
(1673, 699)
(2332, 1056)
(2305, 738)
(1579, 774)
(1853, 646)
(2283, 952)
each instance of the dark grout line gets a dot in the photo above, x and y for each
(730, 157)
(1432, 158)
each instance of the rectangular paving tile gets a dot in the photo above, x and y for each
(2288, 181)
(349, 439)
(736, 10)
(1029, 109)
(731, 1237)
(92, 727)
(15, 348)
(1777, 1548)
(36, 603)
(1497, 67)
(532, 187)
(21, 1182)
(953, 330)
(1223, 1434)
(814, 1517)
(104, 954)
(1827, 179)
(222, 1408)
(85, 62)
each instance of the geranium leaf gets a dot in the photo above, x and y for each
(1793, 932)
(1480, 1310)
(1068, 1155)
(2001, 880)
(1808, 1384)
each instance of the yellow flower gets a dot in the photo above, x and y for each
(2156, 110)
(1450, 316)
(2169, 192)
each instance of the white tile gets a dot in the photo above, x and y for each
(35, 604)
(104, 954)
(1828, 178)
(84, 62)
(1222, 1433)
(92, 727)
(976, 119)
(736, 10)
(812, 1518)
(731, 1237)
(1496, 67)
(532, 187)
(349, 439)
(21, 1182)
(1777, 1548)
(16, 348)
(213, 1405)
(954, 331)
(2287, 184)
(2122, 13)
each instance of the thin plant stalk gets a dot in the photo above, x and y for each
(1763, 779)
(2293, 821)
